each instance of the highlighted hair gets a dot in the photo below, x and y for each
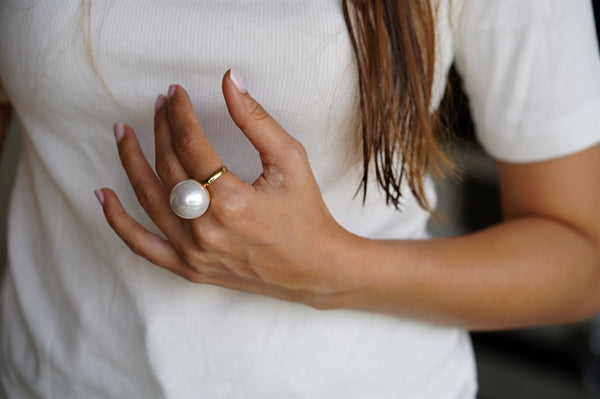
(394, 45)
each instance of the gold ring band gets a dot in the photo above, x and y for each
(215, 176)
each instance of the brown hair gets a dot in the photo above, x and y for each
(394, 46)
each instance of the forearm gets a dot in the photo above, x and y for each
(527, 271)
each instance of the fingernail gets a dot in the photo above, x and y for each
(119, 132)
(237, 80)
(171, 90)
(100, 196)
(160, 101)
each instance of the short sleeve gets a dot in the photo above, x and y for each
(531, 70)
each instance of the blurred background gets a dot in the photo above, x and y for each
(557, 362)
(554, 362)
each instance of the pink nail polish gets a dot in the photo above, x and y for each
(100, 196)
(237, 80)
(160, 101)
(171, 90)
(119, 132)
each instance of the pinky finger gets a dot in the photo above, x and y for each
(140, 241)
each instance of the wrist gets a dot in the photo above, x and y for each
(352, 265)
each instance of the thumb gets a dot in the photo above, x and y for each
(265, 134)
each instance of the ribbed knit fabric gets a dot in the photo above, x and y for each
(82, 317)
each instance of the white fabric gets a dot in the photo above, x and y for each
(532, 73)
(83, 317)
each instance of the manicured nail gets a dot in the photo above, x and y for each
(237, 80)
(119, 132)
(171, 90)
(100, 196)
(160, 101)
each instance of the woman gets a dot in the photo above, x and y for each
(83, 316)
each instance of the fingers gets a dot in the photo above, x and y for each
(266, 135)
(167, 165)
(215, 247)
(192, 264)
(150, 193)
(141, 241)
(195, 267)
(189, 143)
(183, 151)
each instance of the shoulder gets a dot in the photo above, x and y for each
(531, 70)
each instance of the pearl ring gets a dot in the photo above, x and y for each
(190, 199)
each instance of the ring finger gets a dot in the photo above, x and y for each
(151, 194)
(190, 146)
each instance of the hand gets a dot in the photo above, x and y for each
(274, 237)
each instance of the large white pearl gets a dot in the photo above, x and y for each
(189, 199)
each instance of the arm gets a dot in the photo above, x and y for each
(276, 237)
(540, 266)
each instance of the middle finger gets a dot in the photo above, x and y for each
(167, 164)
(196, 154)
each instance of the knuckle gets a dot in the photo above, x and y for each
(193, 256)
(165, 168)
(232, 207)
(145, 197)
(186, 140)
(212, 239)
(257, 112)
(295, 151)
(135, 248)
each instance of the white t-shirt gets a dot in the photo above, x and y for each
(82, 317)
